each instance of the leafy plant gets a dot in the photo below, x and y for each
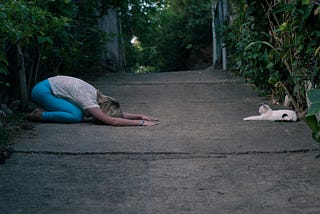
(313, 116)
(279, 51)
(24, 25)
(276, 51)
(42, 38)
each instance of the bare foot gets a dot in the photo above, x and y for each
(35, 115)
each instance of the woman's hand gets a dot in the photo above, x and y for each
(139, 116)
(148, 118)
(129, 120)
(148, 123)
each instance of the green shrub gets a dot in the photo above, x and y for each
(276, 51)
(313, 116)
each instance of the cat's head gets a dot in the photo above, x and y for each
(264, 108)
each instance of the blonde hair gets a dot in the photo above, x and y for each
(109, 105)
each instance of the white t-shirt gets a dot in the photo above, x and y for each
(75, 90)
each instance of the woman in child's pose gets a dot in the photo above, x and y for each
(68, 100)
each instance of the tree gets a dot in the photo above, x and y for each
(23, 25)
(40, 38)
(171, 33)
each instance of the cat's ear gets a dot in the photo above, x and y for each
(265, 105)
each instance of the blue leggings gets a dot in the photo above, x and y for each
(57, 109)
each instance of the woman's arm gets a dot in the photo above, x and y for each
(97, 113)
(130, 116)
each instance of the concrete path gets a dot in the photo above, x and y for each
(201, 158)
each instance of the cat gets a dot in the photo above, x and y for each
(266, 113)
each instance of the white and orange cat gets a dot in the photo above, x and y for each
(266, 113)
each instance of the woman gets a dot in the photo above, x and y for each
(69, 99)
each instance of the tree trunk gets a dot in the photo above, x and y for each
(22, 78)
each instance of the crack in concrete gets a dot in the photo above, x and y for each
(190, 154)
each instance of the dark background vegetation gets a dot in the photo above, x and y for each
(273, 44)
(44, 38)
(276, 47)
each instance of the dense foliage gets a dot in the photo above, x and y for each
(276, 46)
(42, 38)
(274, 43)
(170, 35)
